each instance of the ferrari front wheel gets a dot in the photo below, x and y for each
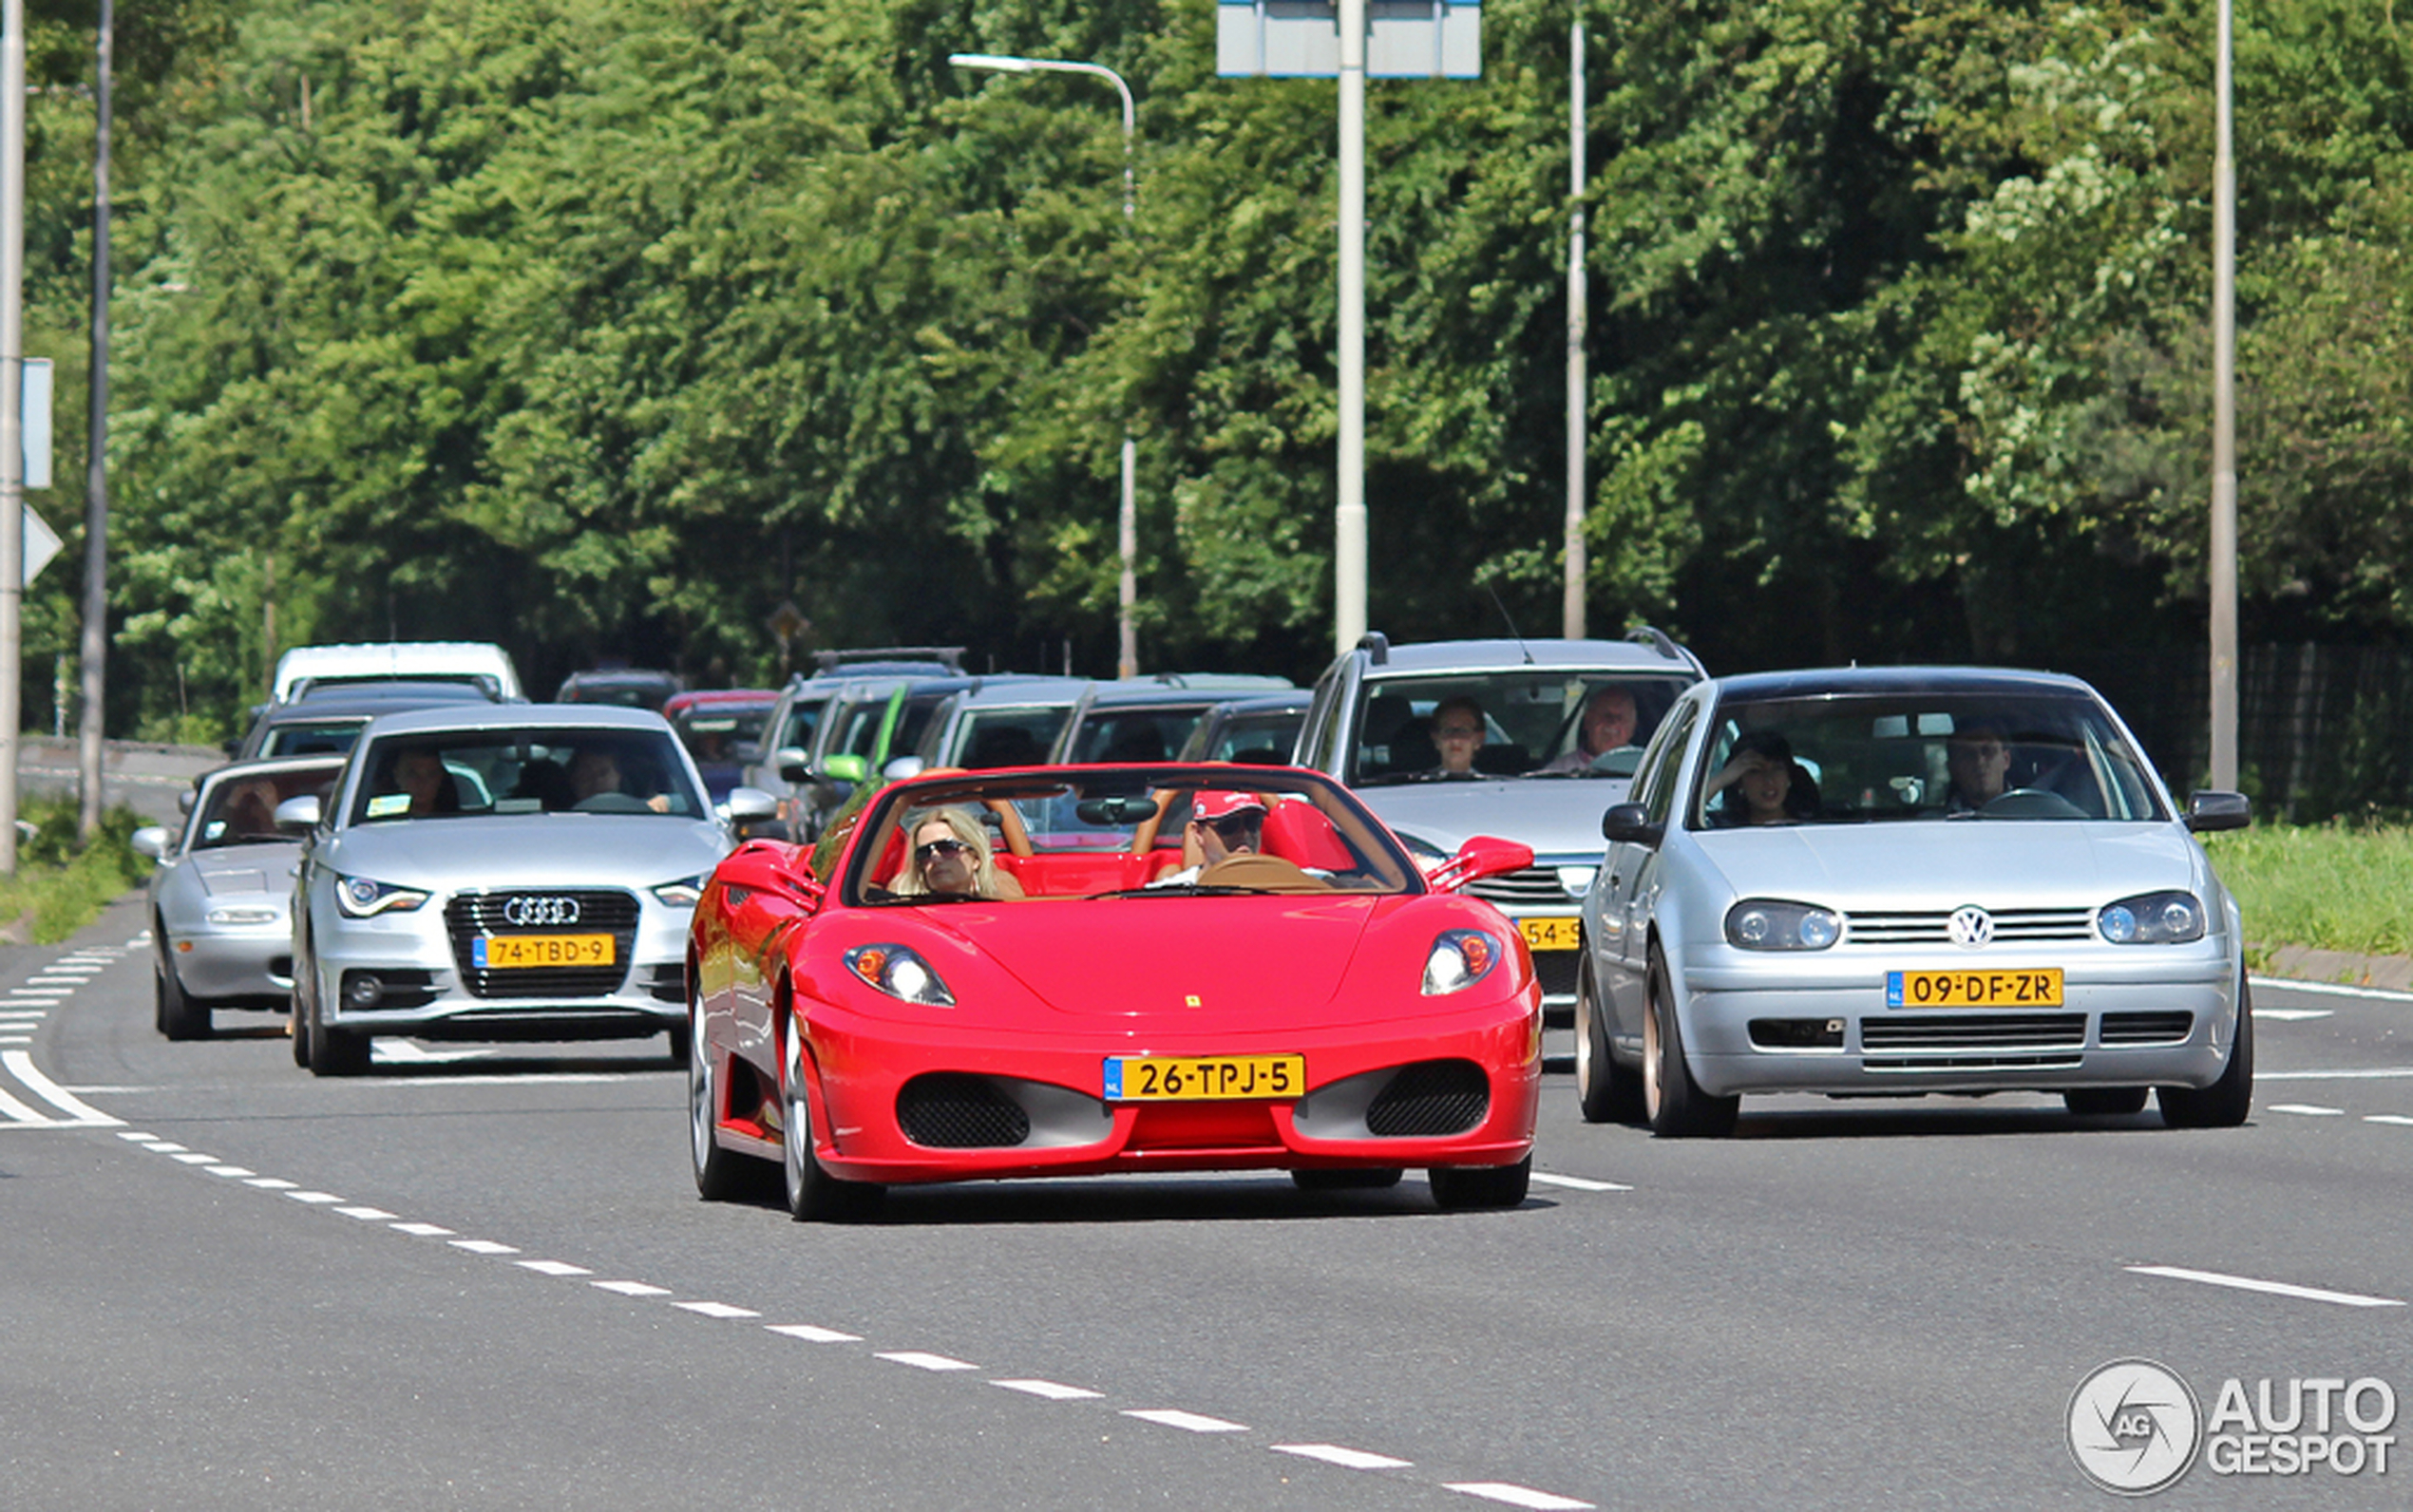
(1459, 1188)
(813, 1193)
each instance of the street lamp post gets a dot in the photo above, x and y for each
(2223, 585)
(1126, 525)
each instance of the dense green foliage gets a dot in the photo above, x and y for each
(62, 883)
(601, 328)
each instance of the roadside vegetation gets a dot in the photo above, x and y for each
(60, 887)
(2340, 886)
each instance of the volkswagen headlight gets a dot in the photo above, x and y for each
(1771, 924)
(2152, 918)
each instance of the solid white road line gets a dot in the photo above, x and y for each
(2243, 1283)
(2308, 1109)
(1347, 1459)
(1191, 1422)
(1517, 1496)
(2369, 1073)
(1052, 1390)
(2292, 1016)
(2388, 1118)
(2377, 995)
(20, 1064)
(16, 1112)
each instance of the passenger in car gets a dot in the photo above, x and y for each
(1761, 783)
(949, 853)
(422, 775)
(1458, 732)
(1979, 762)
(1609, 722)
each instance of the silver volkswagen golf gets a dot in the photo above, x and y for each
(522, 871)
(1881, 882)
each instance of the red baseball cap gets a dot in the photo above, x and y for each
(1211, 806)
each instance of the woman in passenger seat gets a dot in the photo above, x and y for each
(949, 853)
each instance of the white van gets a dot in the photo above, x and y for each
(422, 660)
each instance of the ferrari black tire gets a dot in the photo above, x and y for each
(2226, 1101)
(1608, 1092)
(334, 1051)
(1673, 1103)
(2104, 1102)
(1460, 1188)
(1365, 1179)
(813, 1193)
(721, 1174)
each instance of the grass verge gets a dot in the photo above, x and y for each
(65, 886)
(2334, 887)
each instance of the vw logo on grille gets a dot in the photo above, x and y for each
(1970, 927)
(525, 911)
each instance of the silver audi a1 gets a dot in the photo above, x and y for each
(520, 872)
(1887, 881)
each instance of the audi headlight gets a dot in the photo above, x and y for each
(362, 897)
(685, 892)
(1459, 958)
(2152, 918)
(1769, 924)
(897, 972)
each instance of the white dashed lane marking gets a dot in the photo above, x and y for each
(2247, 1283)
(2306, 1110)
(1338, 1456)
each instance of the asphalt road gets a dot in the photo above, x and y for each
(481, 1278)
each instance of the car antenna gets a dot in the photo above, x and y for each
(1514, 634)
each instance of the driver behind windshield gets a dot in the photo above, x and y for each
(1979, 763)
(1609, 722)
(950, 854)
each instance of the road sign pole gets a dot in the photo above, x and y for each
(1578, 409)
(1349, 517)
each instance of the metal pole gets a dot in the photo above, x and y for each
(11, 413)
(1127, 518)
(1578, 383)
(2224, 425)
(1349, 514)
(95, 644)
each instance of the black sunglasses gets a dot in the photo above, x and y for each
(938, 847)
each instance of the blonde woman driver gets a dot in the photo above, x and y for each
(949, 853)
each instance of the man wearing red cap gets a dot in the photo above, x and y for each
(1221, 824)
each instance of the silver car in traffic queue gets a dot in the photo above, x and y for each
(524, 873)
(1896, 882)
(219, 897)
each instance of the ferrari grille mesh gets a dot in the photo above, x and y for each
(1431, 1097)
(472, 915)
(953, 1111)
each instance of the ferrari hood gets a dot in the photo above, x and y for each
(1209, 956)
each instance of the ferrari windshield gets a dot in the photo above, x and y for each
(470, 774)
(1940, 755)
(1122, 832)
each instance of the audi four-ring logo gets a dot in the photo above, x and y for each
(525, 911)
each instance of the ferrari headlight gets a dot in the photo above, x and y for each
(1769, 924)
(364, 898)
(685, 892)
(897, 972)
(1460, 958)
(2152, 918)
